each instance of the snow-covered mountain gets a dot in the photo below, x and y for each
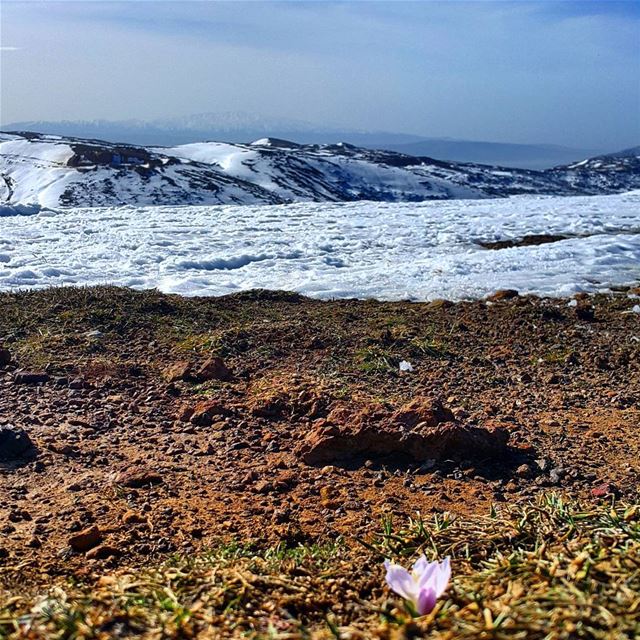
(54, 171)
(611, 171)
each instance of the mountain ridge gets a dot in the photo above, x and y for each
(54, 171)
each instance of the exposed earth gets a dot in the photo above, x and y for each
(144, 425)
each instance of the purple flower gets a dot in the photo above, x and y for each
(423, 586)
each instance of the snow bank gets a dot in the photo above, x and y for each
(364, 249)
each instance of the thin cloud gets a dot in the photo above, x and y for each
(10, 48)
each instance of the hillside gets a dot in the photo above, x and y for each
(63, 172)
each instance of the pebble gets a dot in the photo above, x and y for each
(85, 539)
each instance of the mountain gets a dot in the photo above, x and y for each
(54, 171)
(238, 126)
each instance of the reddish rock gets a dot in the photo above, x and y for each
(86, 539)
(137, 477)
(213, 369)
(421, 411)
(178, 371)
(185, 414)
(503, 294)
(103, 552)
(131, 517)
(425, 440)
(205, 412)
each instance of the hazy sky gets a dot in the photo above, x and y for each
(559, 71)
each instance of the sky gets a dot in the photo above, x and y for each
(559, 72)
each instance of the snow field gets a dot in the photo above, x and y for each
(387, 251)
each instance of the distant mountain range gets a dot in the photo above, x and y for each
(242, 127)
(55, 171)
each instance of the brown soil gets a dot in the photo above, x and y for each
(140, 450)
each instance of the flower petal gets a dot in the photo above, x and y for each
(426, 601)
(400, 580)
(442, 577)
(420, 564)
(427, 578)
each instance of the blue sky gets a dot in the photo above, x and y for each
(556, 72)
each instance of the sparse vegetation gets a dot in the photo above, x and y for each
(548, 568)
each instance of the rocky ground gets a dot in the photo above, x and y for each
(135, 425)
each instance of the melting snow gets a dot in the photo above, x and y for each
(365, 249)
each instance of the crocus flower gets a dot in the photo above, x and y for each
(423, 586)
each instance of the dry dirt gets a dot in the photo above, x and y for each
(161, 424)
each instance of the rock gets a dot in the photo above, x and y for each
(131, 517)
(556, 475)
(178, 371)
(543, 463)
(14, 442)
(524, 471)
(103, 552)
(137, 477)
(204, 413)
(213, 369)
(5, 357)
(422, 412)
(78, 383)
(30, 377)
(503, 294)
(425, 441)
(86, 539)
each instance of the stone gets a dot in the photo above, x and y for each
(422, 412)
(543, 463)
(328, 444)
(556, 475)
(213, 369)
(179, 371)
(30, 377)
(524, 471)
(86, 539)
(205, 412)
(131, 517)
(5, 357)
(14, 442)
(103, 551)
(137, 477)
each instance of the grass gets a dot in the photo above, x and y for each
(550, 568)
